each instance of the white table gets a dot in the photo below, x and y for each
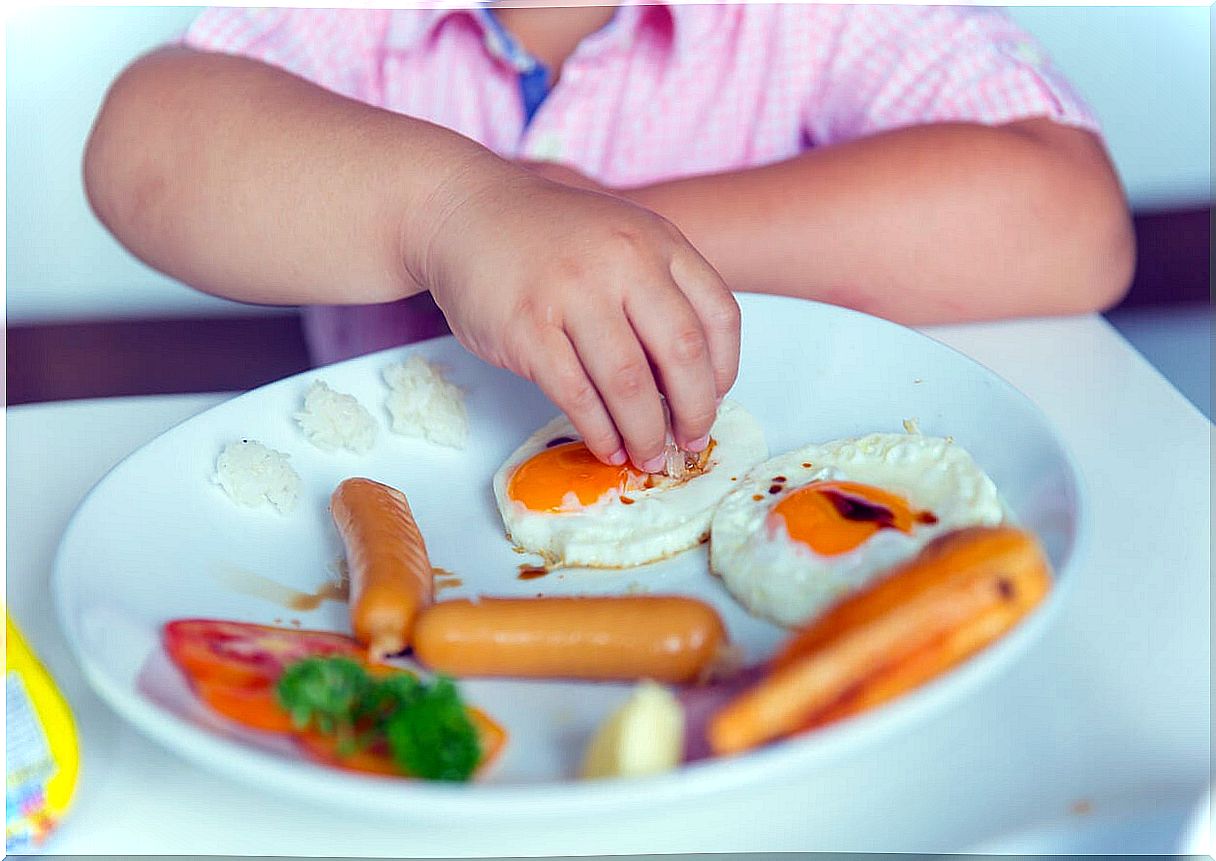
(1114, 761)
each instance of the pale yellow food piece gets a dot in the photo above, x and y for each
(644, 736)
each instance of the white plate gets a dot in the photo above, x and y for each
(155, 538)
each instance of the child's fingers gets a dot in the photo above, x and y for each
(608, 348)
(715, 305)
(671, 332)
(562, 378)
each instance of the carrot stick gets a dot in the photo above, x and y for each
(963, 591)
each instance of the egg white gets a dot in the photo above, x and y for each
(787, 582)
(662, 520)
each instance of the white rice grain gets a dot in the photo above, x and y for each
(332, 420)
(253, 475)
(424, 404)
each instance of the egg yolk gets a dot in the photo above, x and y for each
(542, 481)
(834, 517)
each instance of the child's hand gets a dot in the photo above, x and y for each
(601, 303)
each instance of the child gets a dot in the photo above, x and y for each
(580, 188)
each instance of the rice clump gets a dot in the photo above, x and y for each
(332, 420)
(252, 475)
(423, 404)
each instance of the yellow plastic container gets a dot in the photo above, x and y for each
(43, 756)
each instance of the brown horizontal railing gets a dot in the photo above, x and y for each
(1174, 258)
(62, 361)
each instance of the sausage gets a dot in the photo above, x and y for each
(390, 573)
(962, 592)
(667, 639)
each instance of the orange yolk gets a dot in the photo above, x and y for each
(542, 481)
(834, 517)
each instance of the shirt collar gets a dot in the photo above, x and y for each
(409, 27)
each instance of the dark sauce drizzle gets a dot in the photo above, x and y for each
(852, 508)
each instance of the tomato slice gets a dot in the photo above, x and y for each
(247, 655)
(493, 736)
(324, 749)
(256, 707)
(377, 759)
(234, 668)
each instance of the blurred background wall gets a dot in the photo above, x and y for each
(1146, 71)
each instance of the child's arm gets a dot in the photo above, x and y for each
(249, 182)
(929, 224)
(922, 225)
(951, 176)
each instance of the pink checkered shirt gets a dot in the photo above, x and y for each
(662, 91)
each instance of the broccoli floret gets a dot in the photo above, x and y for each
(431, 735)
(324, 692)
(426, 725)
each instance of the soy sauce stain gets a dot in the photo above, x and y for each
(444, 579)
(626, 500)
(331, 590)
(926, 517)
(559, 440)
(757, 497)
(532, 572)
(776, 488)
(249, 583)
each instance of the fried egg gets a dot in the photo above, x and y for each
(558, 501)
(806, 527)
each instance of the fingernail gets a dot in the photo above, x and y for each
(618, 457)
(698, 444)
(655, 464)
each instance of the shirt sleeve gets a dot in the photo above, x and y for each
(339, 49)
(895, 66)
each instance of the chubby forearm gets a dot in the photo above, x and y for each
(927, 224)
(250, 183)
